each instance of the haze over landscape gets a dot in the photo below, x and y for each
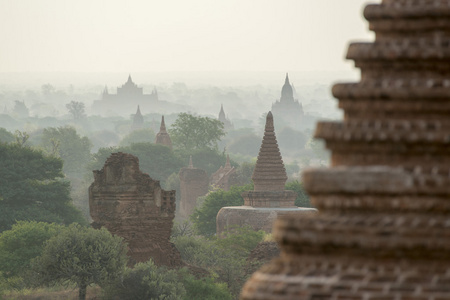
(154, 114)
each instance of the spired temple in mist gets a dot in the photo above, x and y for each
(269, 199)
(288, 111)
(227, 125)
(128, 95)
(129, 91)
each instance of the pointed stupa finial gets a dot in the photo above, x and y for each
(222, 117)
(138, 111)
(162, 128)
(129, 79)
(269, 123)
(191, 165)
(269, 173)
(286, 91)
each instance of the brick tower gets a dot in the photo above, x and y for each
(132, 205)
(383, 227)
(194, 183)
(268, 198)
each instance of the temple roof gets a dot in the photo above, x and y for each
(269, 173)
(286, 92)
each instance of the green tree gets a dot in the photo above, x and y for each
(205, 288)
(22, 243)
(145, 135)
(156, 160)
(20, 109)
(190, 132)
(146, 281)
(204, 218)
(73, 149)
(82, 256)
(207, 159)
(31, 188)
(302, 199)
(76, 109)
(224, 258)
(6, 136)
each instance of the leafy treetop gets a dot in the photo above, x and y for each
(190, 132)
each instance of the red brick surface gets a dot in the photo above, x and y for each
(383, 227)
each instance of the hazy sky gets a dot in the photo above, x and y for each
(178, 35)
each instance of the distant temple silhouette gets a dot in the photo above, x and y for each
(288, 111)
(129, 91)
(129, 94)
(138, 120)
(226, 122)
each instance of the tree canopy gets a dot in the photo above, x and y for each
(76, 109)
(66, 143)
(156, 160)
(190, 132)
(83, 256)
(144, 135)
(23, 242)
(6, 136)
(31, 188)
(204, 217)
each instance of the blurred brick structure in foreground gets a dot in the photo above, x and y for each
(383, 226)
(132, 205)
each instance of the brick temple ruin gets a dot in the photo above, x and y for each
(194, 183)
(163, 137)
(133, 206)
(269, 199)
(382, 231)
(224, 177)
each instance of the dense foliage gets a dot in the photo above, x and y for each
(31, 188)
(82, 256)
(224, 257)
(73, 149)
(145, 135)
(156, 160)
(302, 199)
(146, 281)
(204, 217)
(190, 132)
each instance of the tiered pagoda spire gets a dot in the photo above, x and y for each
(269, 173)
(384, 204)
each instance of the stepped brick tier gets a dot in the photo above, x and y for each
(224, 177)
(268, 199)
(383, 231)
(132, 205)
(163, 137)
(194, 183)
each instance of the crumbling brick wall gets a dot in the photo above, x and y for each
(132, 205)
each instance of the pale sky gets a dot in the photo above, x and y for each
(178, 35)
